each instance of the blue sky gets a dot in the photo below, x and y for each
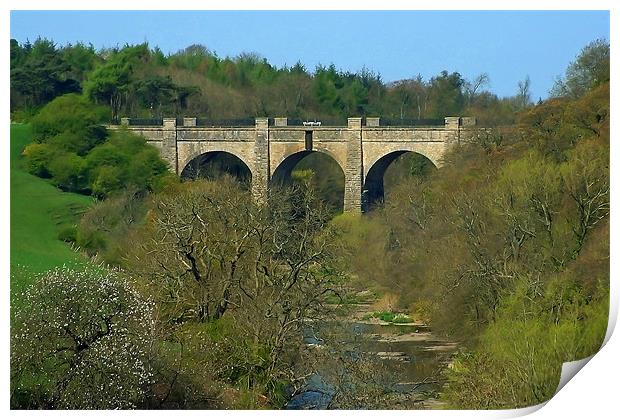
(508, 45)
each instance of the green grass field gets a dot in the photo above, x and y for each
(38, 212)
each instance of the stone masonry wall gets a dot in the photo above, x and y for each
(262, 148)
(260, 176)
(353, 169)
(169, 143)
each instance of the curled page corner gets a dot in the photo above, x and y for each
(524, 411)
(570, 369)
(613, 316)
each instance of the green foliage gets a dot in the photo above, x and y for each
(495, 212)
(363, 248)
(589, 70)
(110, 81)
(71, 115)
(121, 82)
(77, 153)
(519, 220)
(38, 157)
(68, 172)
(81, 59)
(124, 160)
(39, 73)
(136, 80)
(517, 361)
(106, 228)
(68, 234)
(446, 94)
(232, 356)
(258, 276)
(79, 141)
(555, 126)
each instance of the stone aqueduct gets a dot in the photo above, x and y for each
(363, 149)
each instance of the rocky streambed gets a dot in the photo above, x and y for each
(409, 353)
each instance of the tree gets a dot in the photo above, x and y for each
(159, 93)
(212, 256)
(523, 98)
(586, 176)
(71, 114)
(210, 245)
(446, 95)
(81, 59)
(77, 151)
(110, 81)
(38, 157)
(80, 340)
(473, 88)
(39, 73)
(589, 70)
(411, 92)
(67, 170)
(326, 88)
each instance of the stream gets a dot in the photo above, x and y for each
(410, 352)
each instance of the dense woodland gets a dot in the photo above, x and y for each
(504, 249)
(139, 81)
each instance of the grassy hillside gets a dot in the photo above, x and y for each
(38, 212)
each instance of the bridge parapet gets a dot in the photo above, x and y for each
(353, 122)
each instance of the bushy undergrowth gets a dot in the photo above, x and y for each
(506, 249)
(76, 152)
(517, 361)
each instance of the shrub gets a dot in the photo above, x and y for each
(105, 180)
(79, 141)
(123, 160)
(23, 115)
(518, 360)
(38, 157)
(107, 226)
(68, 113)
(68, 172)
(75, 150)
(68, 233)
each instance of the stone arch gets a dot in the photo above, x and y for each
(373, 189)
(287, 163)
(333, 193)
(433, 151)
(198, 161)
(294, 156)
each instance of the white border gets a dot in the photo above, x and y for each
(591, 394)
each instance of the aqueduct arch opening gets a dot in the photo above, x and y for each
(374, 181)
(213, 164)
(328, 178)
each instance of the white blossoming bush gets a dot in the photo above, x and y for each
(80, 340)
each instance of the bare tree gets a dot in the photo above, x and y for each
(211, 252)
(523, 93)
(473, 87)
(586, 176)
